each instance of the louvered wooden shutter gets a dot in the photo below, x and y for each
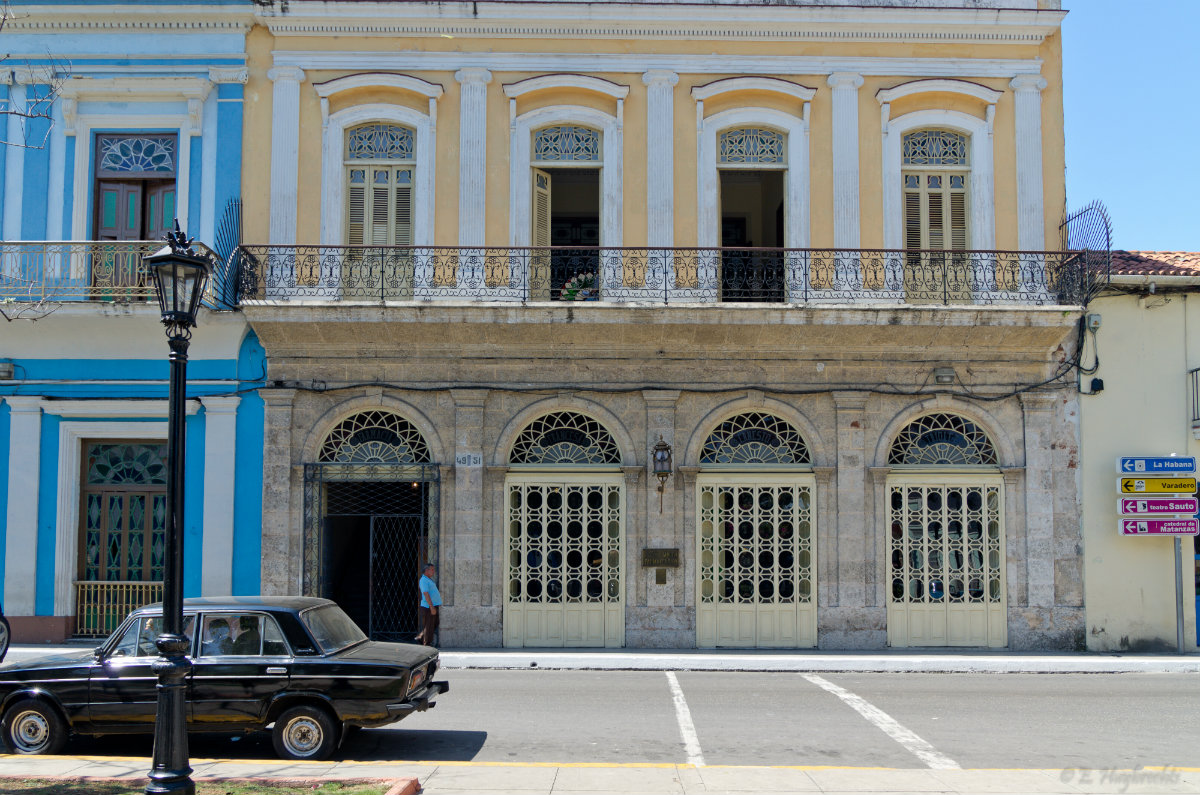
(356, 207)
(403, 208)
(913, 238)
(935, 211)
(380, 216)
(541, 208)
(958, 215)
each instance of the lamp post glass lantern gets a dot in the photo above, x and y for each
(661, 459)
(179, 275)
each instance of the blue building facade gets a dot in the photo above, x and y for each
(116, 128)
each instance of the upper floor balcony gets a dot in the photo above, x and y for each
(291, 274)
(37, 274)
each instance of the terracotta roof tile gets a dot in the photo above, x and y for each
(1156, 263)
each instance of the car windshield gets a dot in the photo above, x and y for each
(332, 628)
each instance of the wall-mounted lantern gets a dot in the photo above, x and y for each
(661, 460)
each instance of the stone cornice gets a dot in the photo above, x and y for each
(657, 21)
(639, 63)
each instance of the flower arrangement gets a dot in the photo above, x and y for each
(581, 287)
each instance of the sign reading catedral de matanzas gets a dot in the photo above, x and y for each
(1172, 511)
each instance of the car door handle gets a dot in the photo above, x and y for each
(273, 670)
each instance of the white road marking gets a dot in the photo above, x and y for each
(687, 729)
(888, 725)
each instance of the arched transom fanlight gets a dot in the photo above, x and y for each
(755, 438)
(565, 437)
(946, 439)
(374, 437)
(935, 148)
(566, 144)
(756, 145)
(379, 142)
(137, 154)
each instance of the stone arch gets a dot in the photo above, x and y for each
(335, 416)
(945, 404)
(512, 430)
(703, 429)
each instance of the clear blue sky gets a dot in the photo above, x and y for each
(1130, 71)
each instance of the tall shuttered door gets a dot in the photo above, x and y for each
(565, 543)
(935, 210)
(756, 558)
(379, 210)
(946, 562)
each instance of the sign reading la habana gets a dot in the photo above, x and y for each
(1159, 527)
(1156, 465)
(1182, 486)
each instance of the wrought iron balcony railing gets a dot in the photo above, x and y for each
(366, 274)
(44, 272)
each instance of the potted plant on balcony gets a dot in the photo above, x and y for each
(581, 287)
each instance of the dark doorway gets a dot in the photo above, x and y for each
(375, 540)
(752, 236)
(572, 230)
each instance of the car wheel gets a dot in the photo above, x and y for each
(34, 727)
(305, 733)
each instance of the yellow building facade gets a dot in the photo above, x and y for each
(497, 253)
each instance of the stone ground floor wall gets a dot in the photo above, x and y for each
(470, 433)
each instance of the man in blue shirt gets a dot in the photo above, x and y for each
(431, 600)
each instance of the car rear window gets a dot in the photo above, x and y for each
(331, 628)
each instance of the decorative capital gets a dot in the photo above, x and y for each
(1024, 83)
(847, 80)
(6, 77)
(69, 109)
(220, 404)
(660, 398)
(658, 77)
(228, 74)
(278, 74)
(195, 115)
(473, 75)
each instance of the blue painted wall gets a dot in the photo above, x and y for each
(247, 497)
(37, 169)
(47, 516)
(5, 414)
(4, 93)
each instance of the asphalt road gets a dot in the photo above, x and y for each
(859, 720)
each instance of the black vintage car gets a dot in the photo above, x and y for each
(296, 662)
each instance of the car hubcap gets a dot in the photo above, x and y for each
(31, 731)
(303, 736)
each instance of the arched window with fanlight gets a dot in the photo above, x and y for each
(380, 169)
(566, 161)
(752, 168)
(936, 172)
(945, 531)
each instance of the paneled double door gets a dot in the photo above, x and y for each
(565, 536)
(756, 561)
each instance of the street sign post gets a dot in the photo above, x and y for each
(1157, 506)
(1156, 465)
(1181, 486)
(1159, 527)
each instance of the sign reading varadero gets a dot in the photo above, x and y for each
(1156, 485)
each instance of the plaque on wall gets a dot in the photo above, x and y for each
(655, 558)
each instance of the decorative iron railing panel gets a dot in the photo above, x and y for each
(53, 271)
(382, 274)
(101, 606)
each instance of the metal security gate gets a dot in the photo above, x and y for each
(565, 539)
(946, 562)
(368, 529)
(756, 560)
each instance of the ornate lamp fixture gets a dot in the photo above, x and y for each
(661, 460)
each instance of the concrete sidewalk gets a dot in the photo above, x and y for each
(498, 778)
(806, 660)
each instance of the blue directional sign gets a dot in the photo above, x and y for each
(1161, 465)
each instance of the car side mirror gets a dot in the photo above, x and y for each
(98, 653)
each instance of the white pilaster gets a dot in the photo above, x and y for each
(472, 156)
(660, 157)
(20, 542)
(1031, 221)
(220, 445)
(845, 87)
(285, 152)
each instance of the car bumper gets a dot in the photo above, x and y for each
(418, 703)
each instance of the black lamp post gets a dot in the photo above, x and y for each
(179, 278)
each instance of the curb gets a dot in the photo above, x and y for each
(399, 786)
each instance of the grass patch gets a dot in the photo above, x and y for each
(94, 786)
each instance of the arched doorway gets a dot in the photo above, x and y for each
(946, 545)
(756, 536)
(565, 520)
(370, 521)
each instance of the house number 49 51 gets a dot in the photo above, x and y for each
(469, 460)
